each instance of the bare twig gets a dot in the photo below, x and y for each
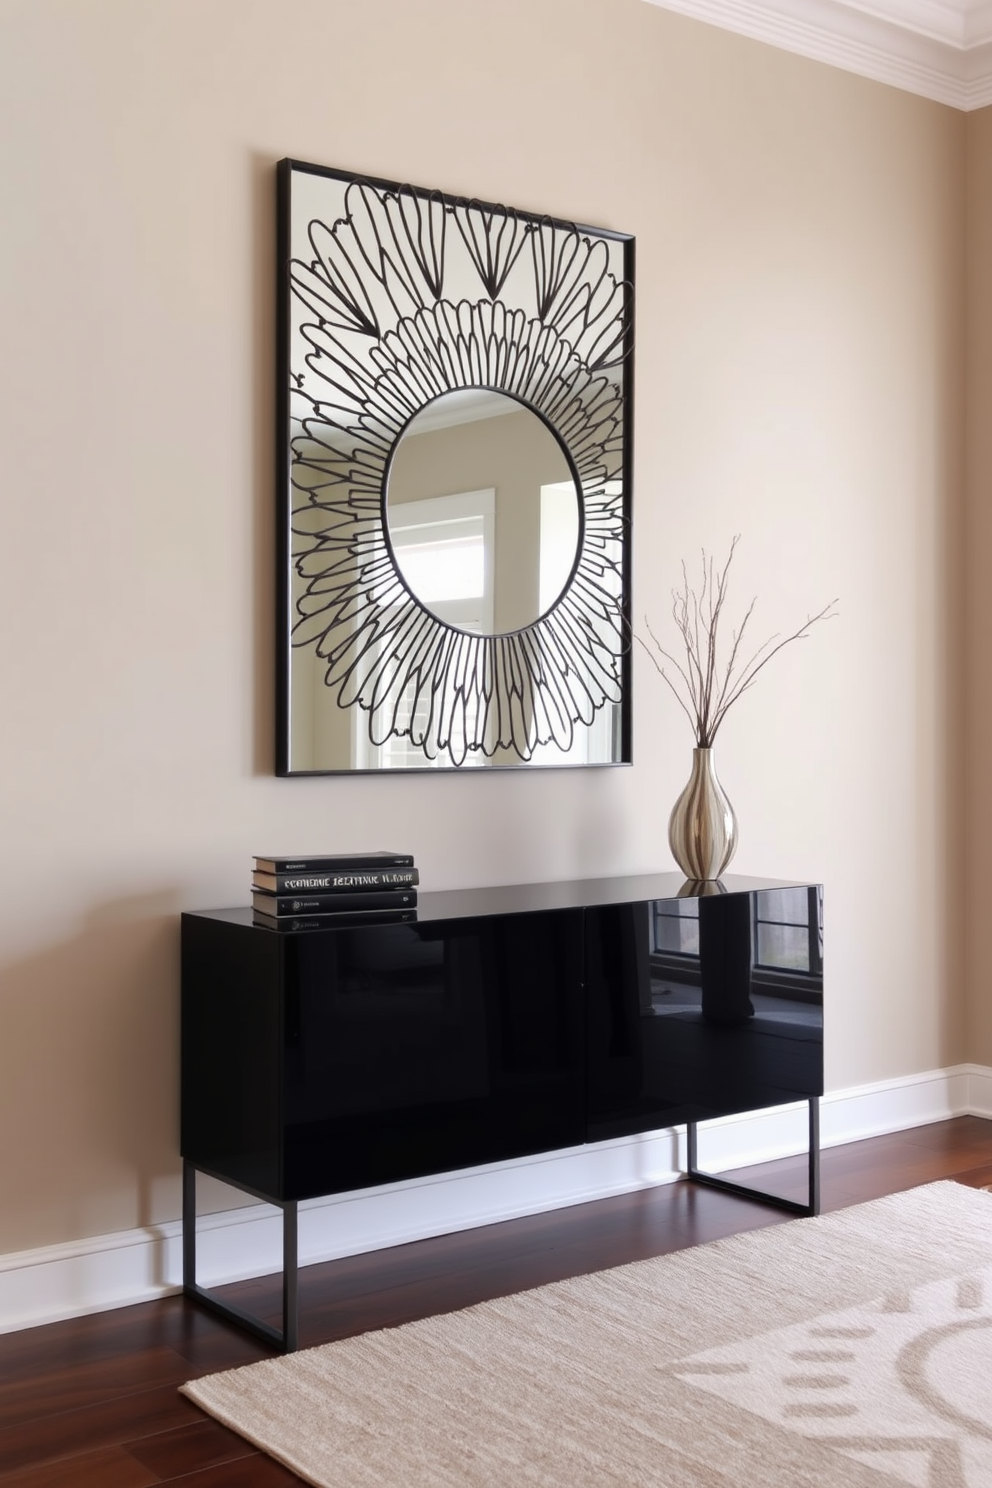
(705, 691)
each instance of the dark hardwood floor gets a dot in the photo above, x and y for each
(93, 1403)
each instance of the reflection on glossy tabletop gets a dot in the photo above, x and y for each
(500, 899)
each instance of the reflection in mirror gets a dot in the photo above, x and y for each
(441, 609)
(482, 512)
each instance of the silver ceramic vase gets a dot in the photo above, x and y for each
(702, 829)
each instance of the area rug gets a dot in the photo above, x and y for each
(849, 1351)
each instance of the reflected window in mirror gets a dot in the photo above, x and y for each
(444, 547)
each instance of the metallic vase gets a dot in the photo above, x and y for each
(702, 829)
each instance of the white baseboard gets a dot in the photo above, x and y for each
(60, 1281)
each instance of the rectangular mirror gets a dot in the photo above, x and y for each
(454, 388)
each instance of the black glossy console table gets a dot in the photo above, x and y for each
(502, 1022)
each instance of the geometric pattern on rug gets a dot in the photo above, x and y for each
(903, 1383)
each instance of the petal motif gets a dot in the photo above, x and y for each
(495, 237)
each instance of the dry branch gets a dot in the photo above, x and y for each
(707, 689)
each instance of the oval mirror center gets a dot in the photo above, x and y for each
(482, 511)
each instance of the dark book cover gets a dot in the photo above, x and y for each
(333, 862)
(330, 883)
(354, 920)
(338, 903)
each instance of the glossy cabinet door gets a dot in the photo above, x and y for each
(319, 1062)
(702, 1007)
(418, 1048)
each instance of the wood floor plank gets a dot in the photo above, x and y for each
(224, 1347)
(174, 1454)
(250, 1472)
(109, 1423)
(111, 1467)
(967, 1133)
(120, 1333)
(862, 1170)
(976, 1177)
(47, 1392)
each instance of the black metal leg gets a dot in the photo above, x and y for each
(288, 1338)
(189, 1224)
(290, 1290)
(726, 1186)
(814, 1157)
(691, 1147)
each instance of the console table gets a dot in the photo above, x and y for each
(502, 1022)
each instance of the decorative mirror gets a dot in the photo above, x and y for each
(455, 455)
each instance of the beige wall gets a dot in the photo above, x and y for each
(978, 667)
(800, 238)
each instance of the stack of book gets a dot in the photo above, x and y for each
(320, 892)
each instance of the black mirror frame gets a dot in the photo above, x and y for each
(536, 685)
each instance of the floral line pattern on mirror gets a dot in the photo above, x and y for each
(405, 297)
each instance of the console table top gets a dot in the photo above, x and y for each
(454, 904)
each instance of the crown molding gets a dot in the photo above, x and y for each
(940, 49)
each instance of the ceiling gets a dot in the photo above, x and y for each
(941, 49)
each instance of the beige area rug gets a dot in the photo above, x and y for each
(849, 1351)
